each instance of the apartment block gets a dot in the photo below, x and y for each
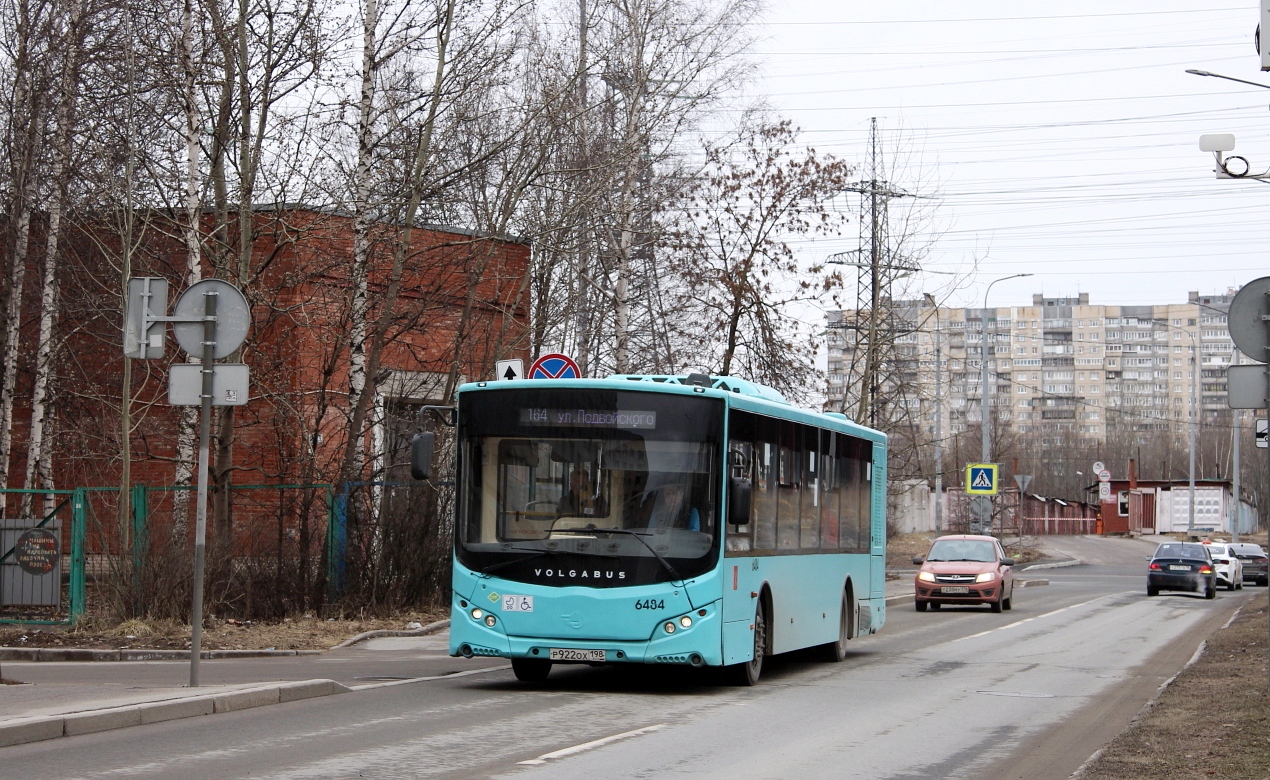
(1059, 366)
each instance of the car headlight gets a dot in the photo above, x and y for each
(925, 576)
(987, 576)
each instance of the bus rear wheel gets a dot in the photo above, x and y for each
(530, 669)
(835, 652)
(748, 673)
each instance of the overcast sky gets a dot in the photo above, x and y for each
(1058, 139)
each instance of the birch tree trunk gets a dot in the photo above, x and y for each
(39, 457)
(361, 222)
(188, 423)
(414, 181)
(26, 125)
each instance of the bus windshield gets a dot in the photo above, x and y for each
(557, 479)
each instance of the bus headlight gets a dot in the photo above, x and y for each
(670, 627)
(478, 613)
(490, 620)
(685, 621)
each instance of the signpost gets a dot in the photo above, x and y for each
(210, 320)
(507, 370)
(555, 366)
(1249, 322)
(1263, 433)
(981, 479)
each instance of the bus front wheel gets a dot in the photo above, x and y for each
(530, 669)
(748, 673)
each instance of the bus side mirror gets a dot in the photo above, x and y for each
(739, 501)
(421, 445)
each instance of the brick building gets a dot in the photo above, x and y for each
(462, 305)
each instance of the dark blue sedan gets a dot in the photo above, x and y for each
(1182, 566)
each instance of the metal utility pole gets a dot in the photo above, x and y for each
(879, 193)
(1234, 432)
(939, 432)
(1190, 519)
(982, 505)
(868, 390)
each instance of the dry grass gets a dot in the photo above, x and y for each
(1213, 721)
(300, 634)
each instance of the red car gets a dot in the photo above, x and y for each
(964, 569)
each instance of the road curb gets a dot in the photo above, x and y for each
(431, 628)
(20, 731)
(1055, 565)
(84, 654)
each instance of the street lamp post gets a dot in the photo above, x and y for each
(1190, 429)
(983, 504)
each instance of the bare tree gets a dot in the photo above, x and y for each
(737, 271)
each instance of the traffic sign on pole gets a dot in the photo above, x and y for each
(233, 317)
(507, 370)
(1104, 476)
(1247, 328)
(1263, 433)
(1104, 491)
(143, 332)
(981, 479)
(1098, 466)
(555, 366)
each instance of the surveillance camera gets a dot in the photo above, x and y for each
(1216, 142)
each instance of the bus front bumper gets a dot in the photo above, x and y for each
(698, 645)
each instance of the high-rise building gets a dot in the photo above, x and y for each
(1060, 366)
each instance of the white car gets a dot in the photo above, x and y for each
(1230, 570)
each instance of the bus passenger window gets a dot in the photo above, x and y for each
(848, 494)
(809, 510)
(787, 488)
(828, 498)
(763, 497)
(741, 466)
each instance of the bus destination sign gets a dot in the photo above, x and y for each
(590, 418)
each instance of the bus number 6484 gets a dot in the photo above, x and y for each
(650, 604)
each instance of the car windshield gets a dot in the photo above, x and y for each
(566, 474)
(1194, 551)
(962, 550)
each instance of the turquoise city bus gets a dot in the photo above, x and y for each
(693, 520)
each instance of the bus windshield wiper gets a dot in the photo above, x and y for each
(635, 534)
(537, 553)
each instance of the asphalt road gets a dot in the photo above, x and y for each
(959, 693)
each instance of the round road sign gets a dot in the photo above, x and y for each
(554, 366)
(1098, 466)
(1104, 476)
(233, 317)
(1247, 329)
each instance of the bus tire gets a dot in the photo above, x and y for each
(836, 652)
(531, 669)
(748, 673)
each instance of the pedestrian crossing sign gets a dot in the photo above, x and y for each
(981, 479)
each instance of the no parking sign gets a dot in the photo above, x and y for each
(554, 366)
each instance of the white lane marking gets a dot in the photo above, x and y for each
(595, 743)
(412, 680)
(1038, 617)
